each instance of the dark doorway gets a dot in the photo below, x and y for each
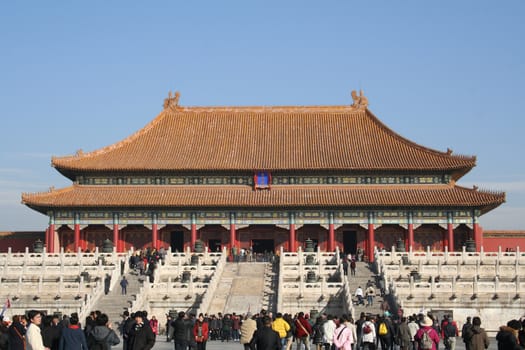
(350, 242)
(214, 245)
(177, 241)
(263, 245)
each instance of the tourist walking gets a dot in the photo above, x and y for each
(370, 293)
(360, 296)
(403, 336)
(282, 327)
(51, 332)
(154, 324)
(413, 327)
(17, 331)
(478, 339)
(200, 332)
(33, 337)
(303, 330)
(73, 336)
(449, 332)
(102, 333)
(343, 337)
(318, 335)
(248, 327)
(179, 332)
(464, 333)
(107, 283)
(426, 336)
(507, 336)
(124, 285)
(352, 267)
(141, 336)
(368, 331)
(266, 338)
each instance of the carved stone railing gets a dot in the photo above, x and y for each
(446, 257)
(212, 287)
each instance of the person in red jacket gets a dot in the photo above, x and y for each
(303, 330)
(200, 332)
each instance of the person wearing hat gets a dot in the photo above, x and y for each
(427, 331)
(141, 336)
(507, 336)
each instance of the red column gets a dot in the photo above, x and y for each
(115, 236)
(232, 235)
(155, 236)
(47, 239)
(77, 237)
(371, 242)
(331, 238)
(83, 244)
(291, 245)
(51, 238)
(193, 237)
(444, 238)
(450, 233)
(478, 236)
(410, 237)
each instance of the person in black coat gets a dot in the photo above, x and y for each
(179, 332)
(265, 338)
(507, 336)
(141, 336)
(16, 334)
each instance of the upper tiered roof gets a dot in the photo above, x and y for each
(304, 138)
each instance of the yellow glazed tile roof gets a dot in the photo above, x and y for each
(343, 138)
(283, 196)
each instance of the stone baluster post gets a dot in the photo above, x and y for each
(60, 285)
(20, 285)
(40, 284)
(80, 285)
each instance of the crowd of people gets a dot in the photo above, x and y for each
(262, 331)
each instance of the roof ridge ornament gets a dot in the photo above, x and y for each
(172, 101)
(360, 101)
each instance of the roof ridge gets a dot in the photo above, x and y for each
(387, 129)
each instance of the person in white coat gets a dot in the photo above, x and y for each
(33, 337)
(328, 330)
(368, 334)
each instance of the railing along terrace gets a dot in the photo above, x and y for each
(310, 276)
(451, 290)
(57, 259)
(444, 271)
(464, 257)
(181, 258)
(212, 287)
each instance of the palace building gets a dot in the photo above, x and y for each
(263, 178)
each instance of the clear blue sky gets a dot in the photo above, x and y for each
(83, 75)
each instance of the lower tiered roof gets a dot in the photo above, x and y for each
(284, 196)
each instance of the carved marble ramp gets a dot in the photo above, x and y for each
(241, 289)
